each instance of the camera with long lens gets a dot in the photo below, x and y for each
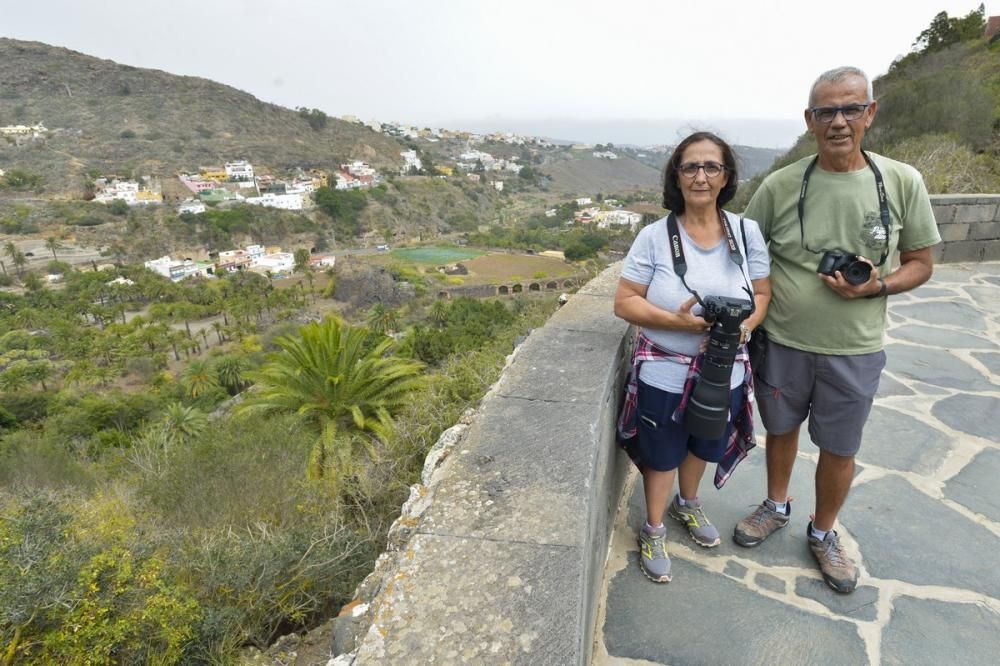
(707, 411)
(854, 270)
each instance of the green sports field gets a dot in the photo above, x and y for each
(435, 255)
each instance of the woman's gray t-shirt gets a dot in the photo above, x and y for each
(709, 272)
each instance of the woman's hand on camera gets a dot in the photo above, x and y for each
(691, 322)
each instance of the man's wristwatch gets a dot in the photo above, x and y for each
(745, 330)
(882, 290)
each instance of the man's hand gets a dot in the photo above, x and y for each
(847, 290)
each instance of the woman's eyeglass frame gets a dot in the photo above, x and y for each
(712, 169)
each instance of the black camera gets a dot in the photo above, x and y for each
(854, 270)
(708, 405)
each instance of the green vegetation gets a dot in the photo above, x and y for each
(436, 255)
(538, 234)
(127, 531)
(343, 207)
(18, 179)
(938, 109)
(316, 118)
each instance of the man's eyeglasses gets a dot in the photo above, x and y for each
(690, 169)
(826, 114)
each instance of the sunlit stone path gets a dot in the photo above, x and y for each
(923, 520)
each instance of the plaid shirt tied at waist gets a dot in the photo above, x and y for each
(741, 440)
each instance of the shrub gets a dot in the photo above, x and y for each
(127, 134)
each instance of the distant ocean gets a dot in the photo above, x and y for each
(743, 131)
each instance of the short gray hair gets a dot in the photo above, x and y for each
(836, 76)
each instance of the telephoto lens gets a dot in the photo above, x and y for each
(707, 412)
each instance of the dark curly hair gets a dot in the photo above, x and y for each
(673, 199)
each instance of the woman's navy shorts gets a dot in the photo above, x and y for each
(662, 444)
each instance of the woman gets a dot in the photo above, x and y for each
(724, 255)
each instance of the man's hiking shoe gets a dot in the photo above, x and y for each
(653, 558)
(837, 568)
(693, 516)
(764, 521)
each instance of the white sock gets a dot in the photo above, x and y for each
(650, 528)
(681, 501)
(819, 534)
(781, 508)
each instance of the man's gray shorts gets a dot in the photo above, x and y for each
(835, 392)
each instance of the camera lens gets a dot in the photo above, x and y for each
(857, 272)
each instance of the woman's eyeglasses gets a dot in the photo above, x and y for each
(690, 169)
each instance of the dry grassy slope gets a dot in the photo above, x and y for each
(580, 173)
(179, 122)
(424, 206)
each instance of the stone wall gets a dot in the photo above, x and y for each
(969, 226)
(499, 553)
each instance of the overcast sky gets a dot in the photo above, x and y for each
(584, 64)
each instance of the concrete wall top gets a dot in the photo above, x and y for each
(507, 537)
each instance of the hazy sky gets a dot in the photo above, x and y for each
(560, 63)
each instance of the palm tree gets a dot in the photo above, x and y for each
(217, 327)
(53, 244)
(230, 370)
(199, 378)
(181, 424)
(382, 320)
(343, 389)
(439, 312)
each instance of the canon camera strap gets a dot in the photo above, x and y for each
(883, 205)
(680, 265)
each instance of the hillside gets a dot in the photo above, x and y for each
(578, 172)
(938, 109)
(112, 118)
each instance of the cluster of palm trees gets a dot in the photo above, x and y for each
(92, 325)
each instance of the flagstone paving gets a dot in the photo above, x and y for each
(922, 521)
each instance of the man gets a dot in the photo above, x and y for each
(827, 318)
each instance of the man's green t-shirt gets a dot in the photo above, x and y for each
(841, 212)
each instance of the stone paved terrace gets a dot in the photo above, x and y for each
(923, 519)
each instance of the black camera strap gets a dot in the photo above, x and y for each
(883, 205)
(680, 265)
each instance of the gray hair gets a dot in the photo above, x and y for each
(836, 76)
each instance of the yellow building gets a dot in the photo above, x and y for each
(444, 170)
(148, 196)
(214, 174)
(319, 178)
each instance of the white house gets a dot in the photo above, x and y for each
(192, 206)
(177, 269)
(126, 190)
(410, 161)
(627, 218)
(607, 154)
(239, 170)
(272, 200)
(583, 201)
(276, 263)
(23, 130)
(359, 168)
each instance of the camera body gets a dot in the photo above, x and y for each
(706, 415)
(854, 270)
(726, 313)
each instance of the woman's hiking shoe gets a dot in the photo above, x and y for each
(837, 568)
(693, 516)
(653, 558)
(762, 523)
